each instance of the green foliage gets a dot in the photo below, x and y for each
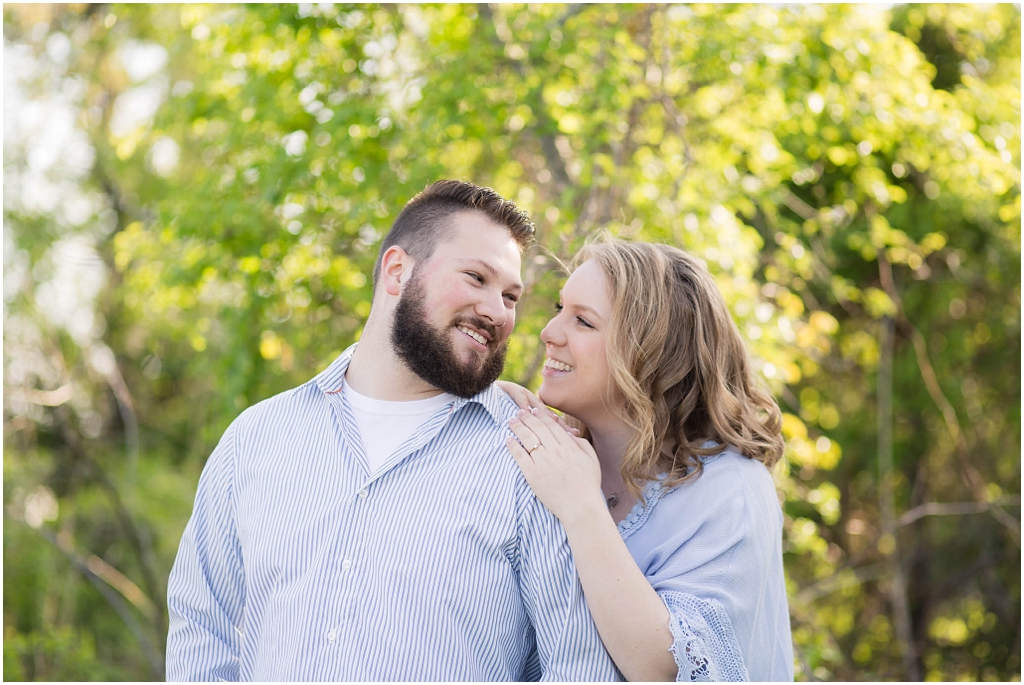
(227, 175)
(57, 655)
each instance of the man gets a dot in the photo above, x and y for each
(371, 524)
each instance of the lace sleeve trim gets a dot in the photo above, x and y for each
(703, 642)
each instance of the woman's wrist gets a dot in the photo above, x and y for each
(584, 511)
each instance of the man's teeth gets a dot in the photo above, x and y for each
(558, 366)
(474, 335)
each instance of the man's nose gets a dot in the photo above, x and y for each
(492, 309)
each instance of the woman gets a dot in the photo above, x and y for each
(668, 505)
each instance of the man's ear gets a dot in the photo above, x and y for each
(395, 269)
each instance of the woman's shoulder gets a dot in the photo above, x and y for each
(731, 469)
(730, 489)
(730, 513)
(730, 483)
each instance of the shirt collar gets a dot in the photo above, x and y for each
(330, 379)
(491, 398)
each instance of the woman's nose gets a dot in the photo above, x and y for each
(549, 335)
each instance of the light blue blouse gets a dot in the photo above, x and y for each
(712, 549)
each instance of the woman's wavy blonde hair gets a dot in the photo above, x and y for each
(679, 361)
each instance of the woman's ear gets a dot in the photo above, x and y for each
(395, 269)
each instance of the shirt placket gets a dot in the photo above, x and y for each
(349, 562)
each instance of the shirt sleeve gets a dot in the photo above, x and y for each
(703, 642)
(697, 565)
(569, 647)
(206, 589)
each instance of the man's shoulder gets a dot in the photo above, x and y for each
(495, 403)
(281, 405)
(505, 407)
(314, 391)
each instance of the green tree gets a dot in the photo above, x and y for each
(199, 235)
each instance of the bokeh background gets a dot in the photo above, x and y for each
(194, 196)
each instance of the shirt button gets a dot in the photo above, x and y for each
(363, 494)
(346, 565)
(331, 635)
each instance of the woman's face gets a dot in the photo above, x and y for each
(577, 378)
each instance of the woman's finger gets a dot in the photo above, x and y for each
(533, 400)
(529, 401)
(523, 459)
(519, 452)
(565, 426)
(523, 433)
(558, 419)
(552, 423)
(562, 450)
(518, 393)
(540, 428)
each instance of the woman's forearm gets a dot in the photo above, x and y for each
(629, 614)
(566, 475)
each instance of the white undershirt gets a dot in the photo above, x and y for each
(384, 425)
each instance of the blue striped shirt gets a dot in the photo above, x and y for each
(300, 564)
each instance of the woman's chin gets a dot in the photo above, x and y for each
(551, 399)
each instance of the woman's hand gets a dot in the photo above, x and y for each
(523, 397)
(562, 469)
(529, 401)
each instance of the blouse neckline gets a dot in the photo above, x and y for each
(637, 516)
(652, 493)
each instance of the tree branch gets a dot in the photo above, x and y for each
(887, 498)
(954, 509)
(141, 546)
(799, 207)
(842, 578)
(126, 407)
(116, 589)
(972, 478)
(45, 398)
(552, 158)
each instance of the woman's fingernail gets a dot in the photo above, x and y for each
(534, 411)
(513, 420)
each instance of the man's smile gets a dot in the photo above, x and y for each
(474, 335)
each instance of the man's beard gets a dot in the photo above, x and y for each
(430, 353)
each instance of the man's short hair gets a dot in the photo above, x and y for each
(423, 222)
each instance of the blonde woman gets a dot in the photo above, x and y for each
(668, 502)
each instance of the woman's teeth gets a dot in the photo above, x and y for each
(558, 366)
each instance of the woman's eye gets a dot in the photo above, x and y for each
(475, 276)
(583, 322)
(559, 307)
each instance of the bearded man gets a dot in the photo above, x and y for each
(371, 524)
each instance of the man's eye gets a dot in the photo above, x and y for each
(512, 298)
